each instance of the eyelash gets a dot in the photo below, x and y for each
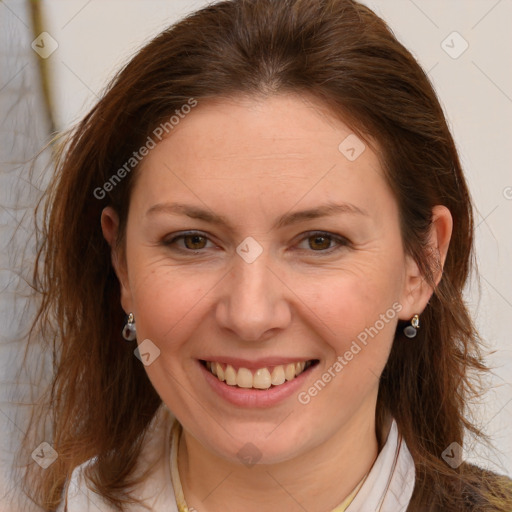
(342, 242)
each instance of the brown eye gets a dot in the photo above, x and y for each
(322, 243)
(194, 242)
(319, 242)
(188, 242)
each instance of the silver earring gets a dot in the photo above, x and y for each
(129, 330)
(411, 330)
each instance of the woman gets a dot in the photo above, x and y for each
(268, 206)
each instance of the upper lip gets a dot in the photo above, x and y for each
(254, 364)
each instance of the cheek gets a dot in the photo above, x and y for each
(359, 319)
(357, 313)
(350, 302)
(167, 300)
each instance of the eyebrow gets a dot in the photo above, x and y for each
(287, 219)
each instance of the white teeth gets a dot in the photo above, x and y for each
(244, 378)
(219, 372)
(230, 375)
(278, 376)
(299, 367)
(289, 371)
(261, 378)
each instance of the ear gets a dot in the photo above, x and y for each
(417, 291)
(110, 228)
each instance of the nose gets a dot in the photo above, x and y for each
(253, 304)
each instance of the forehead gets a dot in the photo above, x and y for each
(248, 150)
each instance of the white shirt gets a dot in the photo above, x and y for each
(387, 488)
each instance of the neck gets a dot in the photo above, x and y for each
(318, 480)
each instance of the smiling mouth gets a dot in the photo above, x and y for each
(262, 378)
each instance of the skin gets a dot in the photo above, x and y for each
(252, 160)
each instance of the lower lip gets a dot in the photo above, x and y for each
(244, 397)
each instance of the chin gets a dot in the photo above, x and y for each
(258, 444)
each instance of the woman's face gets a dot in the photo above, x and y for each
(239, 274)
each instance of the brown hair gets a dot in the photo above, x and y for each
(340, 52)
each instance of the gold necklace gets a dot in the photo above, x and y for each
(178, 489)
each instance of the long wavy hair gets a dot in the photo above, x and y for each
(101, 401)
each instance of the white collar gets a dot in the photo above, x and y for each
(390, 483)
(387, 488)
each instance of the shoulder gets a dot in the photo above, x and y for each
(485, 474)
(80, 495)
(486, 483)
(476, 490)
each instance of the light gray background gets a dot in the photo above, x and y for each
(96, 37)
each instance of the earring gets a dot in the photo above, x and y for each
(129, 330)
(411, 330)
